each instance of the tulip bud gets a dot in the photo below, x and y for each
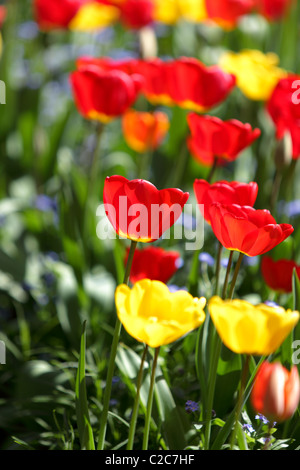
(276, 391)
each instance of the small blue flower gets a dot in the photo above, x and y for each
(191, 406)
(45, 203)
(206, 258)
(187, 221)
(174, 288)
(113, 402)
(262, 418)
(249, 428)
(270, 303)
(179, 263)
(224, 262)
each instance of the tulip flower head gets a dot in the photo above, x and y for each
(144, 131)
(276, 391)
(153, 315)
(284, 109)
(245, 229)
(257, 74)
(81, 15)
(213, 138)
(278, 274)
(248, 329)
(172, 11)
(103, 95)
(273, 10)
(50, 14)
(153, 263)
(138, 210)
(136, 14)
(224, 192)
(227, 13)
(184, 82)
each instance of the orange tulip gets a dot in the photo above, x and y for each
(276, 391)
(144, 131)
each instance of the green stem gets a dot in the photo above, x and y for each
(211, 390)
(136, 402)
(240, 400)
(112, 357)
(268, 437)
(150, 401)
(217, 346)
(235, 275)
(212, 170)
(218, 264)
(227, 275)
(145, 165)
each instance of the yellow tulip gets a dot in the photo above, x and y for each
(94, 16)
(248, 329)
(153, 315)
(171, 11)
(256, 73)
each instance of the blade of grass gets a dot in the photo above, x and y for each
(83, 420)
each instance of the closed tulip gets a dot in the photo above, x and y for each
(273, 10)
(278, 274)
(78, 15)
(245, 229)
(153, 315)
(213, 138)
(136, 14)
(251, 329)
(138, 210)
(224, 192)
(144, 130)
(284, 110)
(51, 14)
(276, 391)
(153, 263)
(103, 95)
(227, 13)
(184, 82)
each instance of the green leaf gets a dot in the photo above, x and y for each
(83, 420)
(174, 424)
(296, 290)
(241, 438)
(172, 419)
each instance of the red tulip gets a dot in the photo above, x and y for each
(51, 14)
(129, 66)
(273, 10)
(103, 95)
(136, 14)
(278, 274)
(3, 12)
(184, 82)
(276, 391)
(242, 228)
(153, 263)
(213, 138)
(138, 210)
(228, 12)
(144, 130)
(284, 109)
(223, 192)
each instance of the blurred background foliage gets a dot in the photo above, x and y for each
(55, 272)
